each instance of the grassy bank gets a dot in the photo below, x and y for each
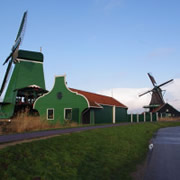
(24, 123)
(110, 153)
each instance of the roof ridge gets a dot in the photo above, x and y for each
(93, 93)
(119, 101)
(98, 99)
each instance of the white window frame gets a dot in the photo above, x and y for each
(65, 113)
(47, 113)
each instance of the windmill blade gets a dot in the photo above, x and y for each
(18, 38)
(145, 93)
(6, 77)
(7, 59)
(20, 33)
(22, 26)
(14, 50)
(16, 45)
(152, 79)
(166, 82)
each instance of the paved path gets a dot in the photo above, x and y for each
(164, 159)
(40, 134)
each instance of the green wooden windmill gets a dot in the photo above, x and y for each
(21, 88)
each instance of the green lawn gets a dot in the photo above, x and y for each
(110, 153)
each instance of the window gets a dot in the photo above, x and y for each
(68, 114)
(50, 114)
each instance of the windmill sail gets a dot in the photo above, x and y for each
(156, 97)
(165, 83)
(6, 77)
(152, 79)
(12, 56)
(22, 26)
(18, 38)
(7, 59)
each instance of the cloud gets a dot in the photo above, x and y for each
(130, 96)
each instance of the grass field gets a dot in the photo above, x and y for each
(103, 154)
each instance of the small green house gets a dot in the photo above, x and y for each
(61, 103)
(66, 104)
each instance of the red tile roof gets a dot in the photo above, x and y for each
(96, 100)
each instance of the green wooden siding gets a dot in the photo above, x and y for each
(75, 115)
(103, 115)
(67, 99)
(25, 73)
(141, 117)
(134, 117)
(92, 116)
(121, 115)
(154, 117)
(148, 117)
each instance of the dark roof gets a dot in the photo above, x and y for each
(96, 100)
(30, 55)
(158, 108)
(30, 90)
(163, 107)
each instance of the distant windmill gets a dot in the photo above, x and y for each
(156, 96)
(14, 51)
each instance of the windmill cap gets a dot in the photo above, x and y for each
(30, 55)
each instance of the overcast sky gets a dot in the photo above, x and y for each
(100, 44)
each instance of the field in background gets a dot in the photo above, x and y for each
(109, 153)
(170, 119)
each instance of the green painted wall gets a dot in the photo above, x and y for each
(134, 117)
(154, 117)
(121, 115)
(25, 73)
(92, 116)
(68, 99)
(103, 115)
(148, 118)
(141, 117)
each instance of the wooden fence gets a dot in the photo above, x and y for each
(144, 117)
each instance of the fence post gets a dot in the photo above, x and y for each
(114, 114)
(137, 116)
(151, 116)
(144, 116)
(131, 118)
(157, 116)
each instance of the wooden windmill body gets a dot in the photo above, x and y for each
(26, 82)
(156, 94)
